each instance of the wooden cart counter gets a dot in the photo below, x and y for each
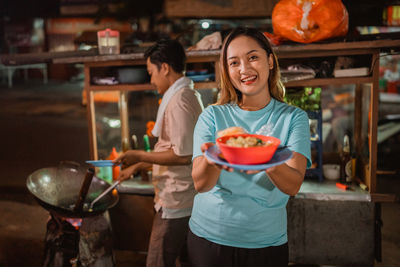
(294, 53)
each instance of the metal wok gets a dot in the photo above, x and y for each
(57, 190)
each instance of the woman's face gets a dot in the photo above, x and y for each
(249, 66)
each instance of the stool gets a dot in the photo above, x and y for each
(11, 69)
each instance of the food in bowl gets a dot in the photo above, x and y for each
(231, 131)
(248, 155)
(247, 141)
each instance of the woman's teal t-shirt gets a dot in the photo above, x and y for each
(244, 210)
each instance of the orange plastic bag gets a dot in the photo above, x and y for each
(308, 21)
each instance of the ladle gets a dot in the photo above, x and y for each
(84, 189)
(111, 187)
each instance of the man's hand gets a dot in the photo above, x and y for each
(127, 173)
(129, 158)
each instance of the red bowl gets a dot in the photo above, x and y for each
(248, 155)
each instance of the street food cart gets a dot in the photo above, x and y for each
(366, 89)
(326, 225)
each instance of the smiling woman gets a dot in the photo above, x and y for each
(238, 212)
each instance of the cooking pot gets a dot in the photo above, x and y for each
(57, 190)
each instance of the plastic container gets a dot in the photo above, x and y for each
(106, 174)
(108, 42)
(133, 75)
(331, 171)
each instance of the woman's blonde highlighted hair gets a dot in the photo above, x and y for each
(229, 94)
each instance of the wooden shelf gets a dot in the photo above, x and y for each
(376, 197)
(205, 85)
(329, 81)
(208, 85)
(368, 50)
(122, 87)
(144, 87)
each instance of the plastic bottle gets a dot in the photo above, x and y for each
(146, 143)
(125, 144)
(115, 169)
(145, 173)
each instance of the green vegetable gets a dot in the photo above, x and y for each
(307, 99)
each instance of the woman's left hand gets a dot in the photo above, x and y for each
(257, 171)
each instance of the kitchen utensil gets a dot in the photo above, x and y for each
(57, 189)
(84, 190)
(111, 187)
(101, 163)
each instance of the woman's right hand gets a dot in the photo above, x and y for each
(206, 146)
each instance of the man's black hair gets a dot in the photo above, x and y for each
(167, 51)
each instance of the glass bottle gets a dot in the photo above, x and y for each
(345, 162)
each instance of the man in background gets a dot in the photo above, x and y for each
(171, 159)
